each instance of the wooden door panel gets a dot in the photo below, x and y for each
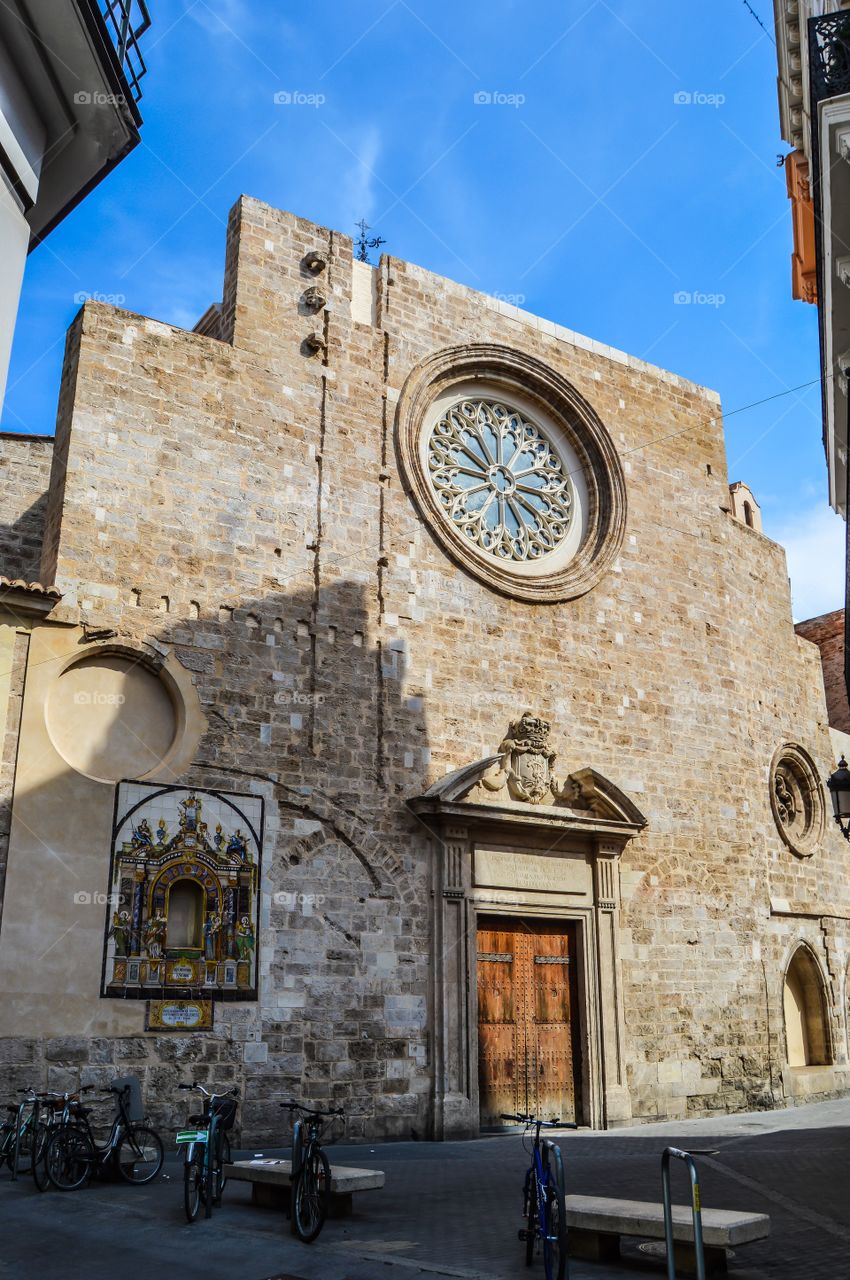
(497, 1062)
(526, 1000)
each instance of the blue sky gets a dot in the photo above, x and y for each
(585, 189)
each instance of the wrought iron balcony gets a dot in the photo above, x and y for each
(829, 56)
(126, 21)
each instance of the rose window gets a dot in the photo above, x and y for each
(499, 480)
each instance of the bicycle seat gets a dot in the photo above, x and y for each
(82, 1111)
(197, 1119)
(13, 1107)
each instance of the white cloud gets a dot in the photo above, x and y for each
(227, 16)
(813, 539)
(357, 193)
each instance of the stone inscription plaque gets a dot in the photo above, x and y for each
(505, 869)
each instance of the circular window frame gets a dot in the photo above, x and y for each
(504, 372)
(793, 758)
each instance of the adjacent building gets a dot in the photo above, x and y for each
(404, 712)
(813, 51)
(70, 73)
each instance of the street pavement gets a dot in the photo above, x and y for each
(453, 1209)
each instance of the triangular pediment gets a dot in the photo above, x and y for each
(585, 793)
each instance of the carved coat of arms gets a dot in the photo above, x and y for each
(527, 758)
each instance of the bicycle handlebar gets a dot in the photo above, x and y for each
(227, 1093)
(544, 1124)
(310, 1111)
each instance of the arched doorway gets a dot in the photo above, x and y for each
(185, 915)
(804, 1002)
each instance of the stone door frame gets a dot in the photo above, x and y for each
(590, 843)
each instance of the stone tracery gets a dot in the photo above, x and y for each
(500, 480)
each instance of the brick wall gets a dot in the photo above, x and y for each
(827, 632)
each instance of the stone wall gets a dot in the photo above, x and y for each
(827, 632)
(24, 477)
(241, 506)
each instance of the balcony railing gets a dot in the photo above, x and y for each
(829, 53)
(126, 21)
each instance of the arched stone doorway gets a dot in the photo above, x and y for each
(526, 968)
(804, 1004)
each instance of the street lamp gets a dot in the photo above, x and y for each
(839, 786)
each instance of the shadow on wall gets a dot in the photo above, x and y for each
(305, 707)
(21, 542)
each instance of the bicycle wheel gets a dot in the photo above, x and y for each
(7, 1143)
(40, 1172)
(311, 1193)
(139, 1155)
(25, 1148)
(193, 1175)
(554, 1233)
(70, 1158)
(530, 1215)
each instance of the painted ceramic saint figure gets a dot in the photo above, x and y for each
(238, 845)
(120, 931)
(154, 936)
(212, 924)
(245, 938)
(142, 835)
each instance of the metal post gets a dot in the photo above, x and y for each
(297, 1148)
(18, 1117)
(699, 1252)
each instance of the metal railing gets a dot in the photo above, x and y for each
(699, 1252)
(126, 22)
(829, 52)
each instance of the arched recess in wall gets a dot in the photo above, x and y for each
(807, 1042)
(124, 711)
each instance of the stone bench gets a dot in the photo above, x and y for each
(271, 1181)
(596, 1225)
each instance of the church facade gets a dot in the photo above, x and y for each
(397, 712)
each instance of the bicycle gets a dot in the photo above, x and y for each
(543, 1198)
(311, 1172)
(73, 1155)
(207, 1150)
(23, 1137)
(17, 1133)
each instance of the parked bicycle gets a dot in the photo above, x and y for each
(543, 1209)
(24, 1134)
(207, 1150)
(73, 1155)
(311, 1172)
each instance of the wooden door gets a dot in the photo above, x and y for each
(527, 1039)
